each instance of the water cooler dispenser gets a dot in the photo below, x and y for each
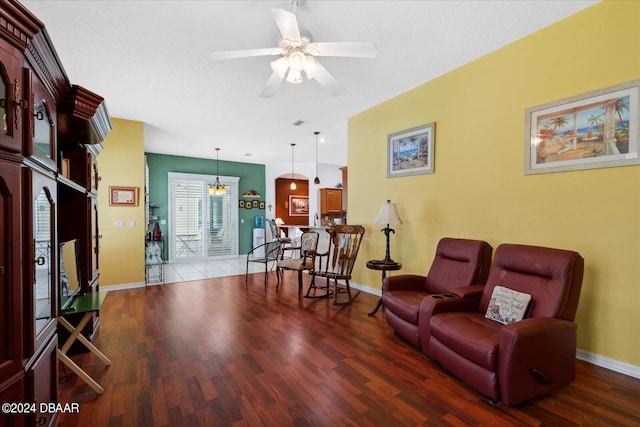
(258, 234)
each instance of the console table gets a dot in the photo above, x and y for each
(86, 304)
(384, 267)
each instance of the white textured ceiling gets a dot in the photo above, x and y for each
(150, 61)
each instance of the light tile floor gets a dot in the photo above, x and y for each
(197, 270)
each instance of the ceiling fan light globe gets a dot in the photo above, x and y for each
(280, 67)
(311, 67)
(294, 76)
(297, 60)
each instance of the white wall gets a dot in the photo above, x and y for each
(329, 175)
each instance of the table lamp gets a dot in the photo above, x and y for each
(388, 216)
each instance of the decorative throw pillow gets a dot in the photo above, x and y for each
(507, 306)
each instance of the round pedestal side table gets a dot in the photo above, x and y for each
(384, 267)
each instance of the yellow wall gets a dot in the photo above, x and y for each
(121, 164)
(479, 189)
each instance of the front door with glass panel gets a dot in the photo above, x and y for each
(202, 224)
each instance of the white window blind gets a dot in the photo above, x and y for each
(202, 225)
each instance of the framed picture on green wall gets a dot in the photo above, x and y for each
(593, 130)
(410, 152)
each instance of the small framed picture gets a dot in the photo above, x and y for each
(255, 204)
(241, 203)
(261, 205)
(247, 204)
(123, 196)
(298, 205)
(410, 152)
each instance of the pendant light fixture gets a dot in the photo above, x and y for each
(316, 180)
(217, 188)
(293, 185)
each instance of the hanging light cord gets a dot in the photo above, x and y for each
(218, 187)
(292, 174)
(217, 163)
(293, 185)
(316, 180)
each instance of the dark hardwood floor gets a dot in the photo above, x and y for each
(217, 353)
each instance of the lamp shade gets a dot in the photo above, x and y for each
(388, 214)
(279, 221)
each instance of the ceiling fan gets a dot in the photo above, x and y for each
(298, 53)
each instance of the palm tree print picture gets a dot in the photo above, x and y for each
(410, 152)
(593, 130)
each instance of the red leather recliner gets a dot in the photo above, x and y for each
(460, 267)
(518, 361)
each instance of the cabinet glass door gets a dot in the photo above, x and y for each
(42, 129)
(43, 254)
(10, 90)
(41, 135)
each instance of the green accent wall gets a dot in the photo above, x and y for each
(252, 177)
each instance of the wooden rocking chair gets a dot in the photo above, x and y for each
(336, 264)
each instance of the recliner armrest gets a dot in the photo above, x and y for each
(404, 282)
(434, 304)
(546, 345)
(468, 291)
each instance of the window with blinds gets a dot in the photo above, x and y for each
(201, 224)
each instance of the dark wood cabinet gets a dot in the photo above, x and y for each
(47, 126)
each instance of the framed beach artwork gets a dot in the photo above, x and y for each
(594, 130)
(410, 152)
(298, 205)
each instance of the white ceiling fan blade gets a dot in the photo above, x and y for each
(352, 49)
(272, 85)
(287, 24)
(327, 81)
(234, 54)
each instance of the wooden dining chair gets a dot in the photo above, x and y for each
(306, 261)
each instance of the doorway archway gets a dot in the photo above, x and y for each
(298, 212)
